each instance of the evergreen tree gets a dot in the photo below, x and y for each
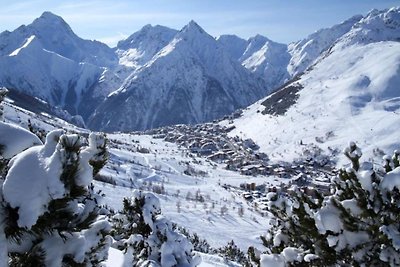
(387, 163)
(100, 158)
(147, 237)
(3, 93)
(3, 161)
(396, 158)
(353, 153)
(356, 226)
(57, 221)
(233, 253)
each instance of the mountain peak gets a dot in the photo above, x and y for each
(147, 27)
(258, 40)
(376, 26)
(49, 17)
(149, 37)
(259, 37)
(387, 15)
(192, 26)
(51, 23)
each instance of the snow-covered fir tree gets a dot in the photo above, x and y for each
(147, 237)
(50, 213)
(358, 225)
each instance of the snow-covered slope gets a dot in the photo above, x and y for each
(265, 58)
(139, 161)
(191, 80)
(352, 94)
(233, 44)
(141, 46)
(306, 51)
(377, 26)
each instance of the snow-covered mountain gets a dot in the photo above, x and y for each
(233, 44)
(351, 93)
(191, 80)
(159, 76)
(141, 46)
(185, 74)
(47, 60)
(376, 26)
(265, 58)
(56, 36)
(306, 51)
(268, 59)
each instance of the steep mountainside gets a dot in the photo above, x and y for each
(141, 46)
(351, 93)
(265, 58)
(233, 44)
(191, 80)
(306, 51)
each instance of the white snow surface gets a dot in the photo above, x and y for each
(352, 94)
(141, 46)
(33, 180)
(165, 164)
(306, 51)
(233, 44)
(272, 260)
(77, 245)
(391, 180)
(15, 139)
(265, 58)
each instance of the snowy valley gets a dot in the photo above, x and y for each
(219, 151)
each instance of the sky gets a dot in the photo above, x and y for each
(109, 21)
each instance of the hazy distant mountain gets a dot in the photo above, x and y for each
(233, 44)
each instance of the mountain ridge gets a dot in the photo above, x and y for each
(239, 71)
(192, 58)
(349, 93)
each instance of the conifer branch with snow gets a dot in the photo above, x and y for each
(356, 225)
(51, 215)
(147, 237)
